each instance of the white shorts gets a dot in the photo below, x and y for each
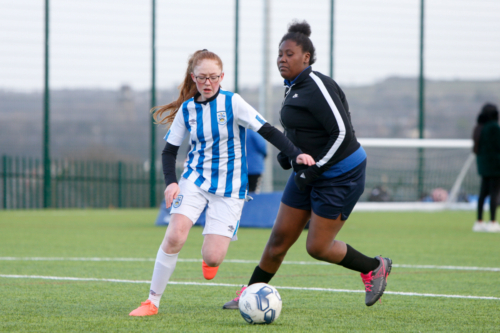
(222, 215)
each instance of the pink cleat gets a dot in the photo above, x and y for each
(234, 303)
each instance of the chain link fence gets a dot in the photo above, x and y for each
(100, 68)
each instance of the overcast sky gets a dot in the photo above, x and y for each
(106, 43)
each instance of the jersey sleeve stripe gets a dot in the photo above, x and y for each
(166, 135)
(260, 120)
(338, 117)
(185, 113)
(214, 182)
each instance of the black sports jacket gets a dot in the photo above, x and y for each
(316, 118)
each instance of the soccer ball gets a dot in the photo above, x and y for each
(260, 303)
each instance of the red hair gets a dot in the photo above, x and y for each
(187, 89)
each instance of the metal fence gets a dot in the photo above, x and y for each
(97, 184)
(76, 184)
(82, 75)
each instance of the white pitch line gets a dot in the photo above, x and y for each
(75, 259)
(240, 261)
(65, 278)
(459, 268)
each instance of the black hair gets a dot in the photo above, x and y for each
(299, 32)
(489, 112)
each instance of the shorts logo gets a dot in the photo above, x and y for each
(177, 201)
(230, 228)
(221, 118)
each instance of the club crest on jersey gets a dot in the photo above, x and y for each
(221, 118)
(177, 201)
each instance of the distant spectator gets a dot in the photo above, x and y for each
(486, 136)
(439, 195)
(256, 153)
(379, 194)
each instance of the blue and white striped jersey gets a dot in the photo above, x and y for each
(217, 129)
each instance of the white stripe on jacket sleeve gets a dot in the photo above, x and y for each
(338, 117)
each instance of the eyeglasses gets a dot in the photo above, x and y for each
(203, 79)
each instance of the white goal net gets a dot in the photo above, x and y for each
(419, 174)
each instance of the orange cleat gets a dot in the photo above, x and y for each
(208, 272)
(146, 309)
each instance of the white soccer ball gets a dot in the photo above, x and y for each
(260, 303)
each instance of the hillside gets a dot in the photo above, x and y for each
(114, 124)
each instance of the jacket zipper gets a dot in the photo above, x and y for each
(287, 92)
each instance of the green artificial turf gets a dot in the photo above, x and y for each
(409, 238)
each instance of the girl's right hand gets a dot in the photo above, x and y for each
(171, 192)
(305, 159)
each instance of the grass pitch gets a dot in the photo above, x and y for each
(41, 250)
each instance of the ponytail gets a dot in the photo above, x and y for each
(187, 89)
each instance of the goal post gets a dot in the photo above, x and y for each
(419, 174)
(416, 143)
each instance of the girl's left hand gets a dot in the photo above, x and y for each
(305, 159)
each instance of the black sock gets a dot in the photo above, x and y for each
(260, 275)
(358, 262)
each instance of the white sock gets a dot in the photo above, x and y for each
(164, 267)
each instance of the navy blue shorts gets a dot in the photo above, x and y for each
(328, 197)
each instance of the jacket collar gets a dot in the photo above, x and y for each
(299, 78)
(208, 100)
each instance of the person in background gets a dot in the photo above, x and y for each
(256, 153)
(486, 137)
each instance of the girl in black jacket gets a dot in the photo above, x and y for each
(316, 118)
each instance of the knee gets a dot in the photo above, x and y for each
(173, 241)
(317, 251)
(212, 261)
(276, 247)
(276, 252)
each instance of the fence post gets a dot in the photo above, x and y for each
(120, 182)
(421, 104)
(4, 177)
(265, 93)
(23, 178)
(152, 167)
(332, 22)
(47, 191)
(236, 42)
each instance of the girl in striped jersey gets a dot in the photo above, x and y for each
(215, 173)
